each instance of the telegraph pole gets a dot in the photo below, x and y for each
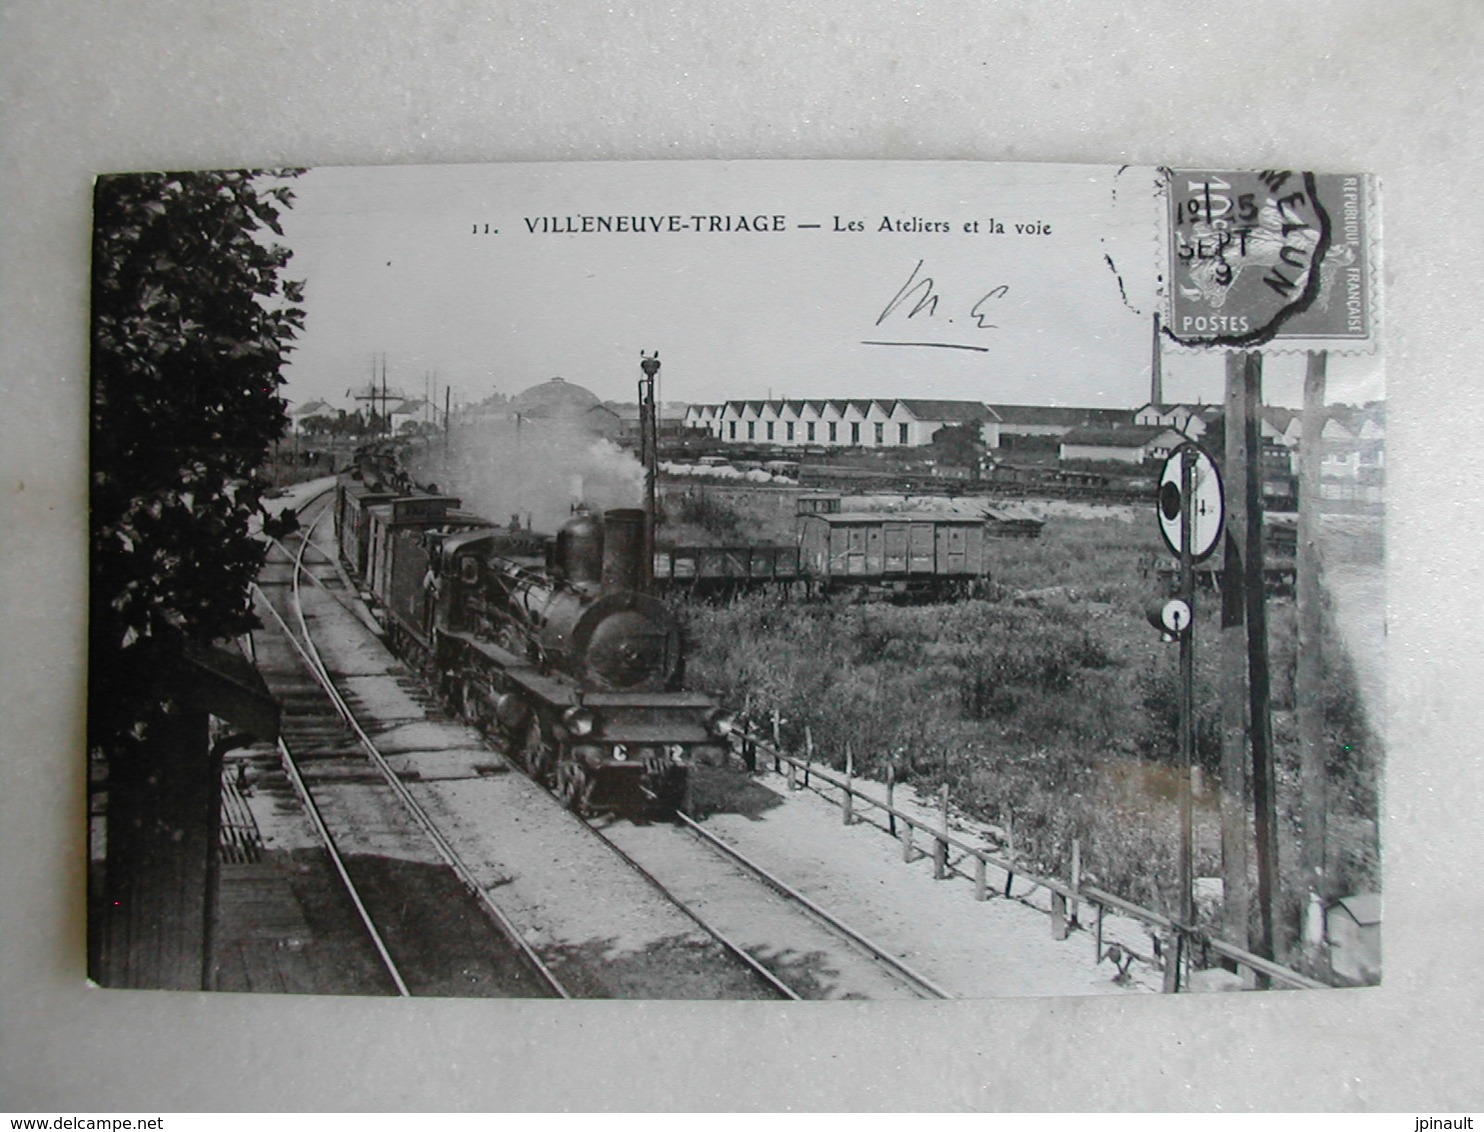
(1308, 680)
(1235, 794)
(1264, 778)
(648, 452)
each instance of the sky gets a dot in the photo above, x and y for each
(1019, 284)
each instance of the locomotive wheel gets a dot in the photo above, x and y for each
(537, 753)
(470, 708)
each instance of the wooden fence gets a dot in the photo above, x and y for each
(1066, 897)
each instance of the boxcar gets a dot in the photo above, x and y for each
(904, 553)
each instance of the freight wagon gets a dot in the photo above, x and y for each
(910, 555)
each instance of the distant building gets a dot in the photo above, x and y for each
(1053, 420)
(552, 400)
(1131, 444)
(1353, 444)
(1192, 420)
(316, 408)
(558, 402)
(413, 410)
(1352, 449)
(861, 423)
(673, 420)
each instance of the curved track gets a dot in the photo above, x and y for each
(790, 945)
(303, 644)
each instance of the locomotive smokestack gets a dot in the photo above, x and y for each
(623, 549)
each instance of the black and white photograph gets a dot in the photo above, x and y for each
(736, 580)
(729, 558)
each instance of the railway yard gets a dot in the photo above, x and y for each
(405, 853)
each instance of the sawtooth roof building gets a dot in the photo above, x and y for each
(867, 423)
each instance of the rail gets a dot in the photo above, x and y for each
(875, 950)
(1065, 896)
(309, 655)
(730, 946)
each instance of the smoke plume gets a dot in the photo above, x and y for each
(536, 469)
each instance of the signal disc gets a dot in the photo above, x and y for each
(1207, 502)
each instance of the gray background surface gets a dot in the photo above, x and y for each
(1389, 88)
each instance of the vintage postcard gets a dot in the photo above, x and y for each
(758, 580)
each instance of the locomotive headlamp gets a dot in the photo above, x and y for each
(720, 723)
(579, 720)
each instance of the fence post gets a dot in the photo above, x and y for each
(1098, 939)
(793, 775)
(1076, 877)
(907, 843)
(891, 791)
(981, 886)
(1170, 954)
(940, 850)
(1058, 916)
(808, 752)
(848, 809)
(1010, 851)
(777, 731)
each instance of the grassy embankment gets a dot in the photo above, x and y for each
(1054, 702)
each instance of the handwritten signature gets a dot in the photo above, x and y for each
(919, 298)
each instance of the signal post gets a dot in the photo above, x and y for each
(1190, 512)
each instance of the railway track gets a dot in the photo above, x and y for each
(294, 624)
(873, 950)
(327, 756)
(801, 946)
(787, 945)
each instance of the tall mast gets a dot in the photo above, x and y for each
(649, 454)
(1156, 368)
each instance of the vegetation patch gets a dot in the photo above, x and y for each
(1052, 706)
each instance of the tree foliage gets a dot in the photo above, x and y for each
(191, 323)
(961, 445)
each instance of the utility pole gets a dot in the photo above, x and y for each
(1156, 368)
(648, 453)
(1235, 794)
(1308, 677)
(1264, 779)
(366, 432)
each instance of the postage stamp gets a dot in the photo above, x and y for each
(1256, 257)
(723, 580)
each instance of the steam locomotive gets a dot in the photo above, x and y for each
(548, 641)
